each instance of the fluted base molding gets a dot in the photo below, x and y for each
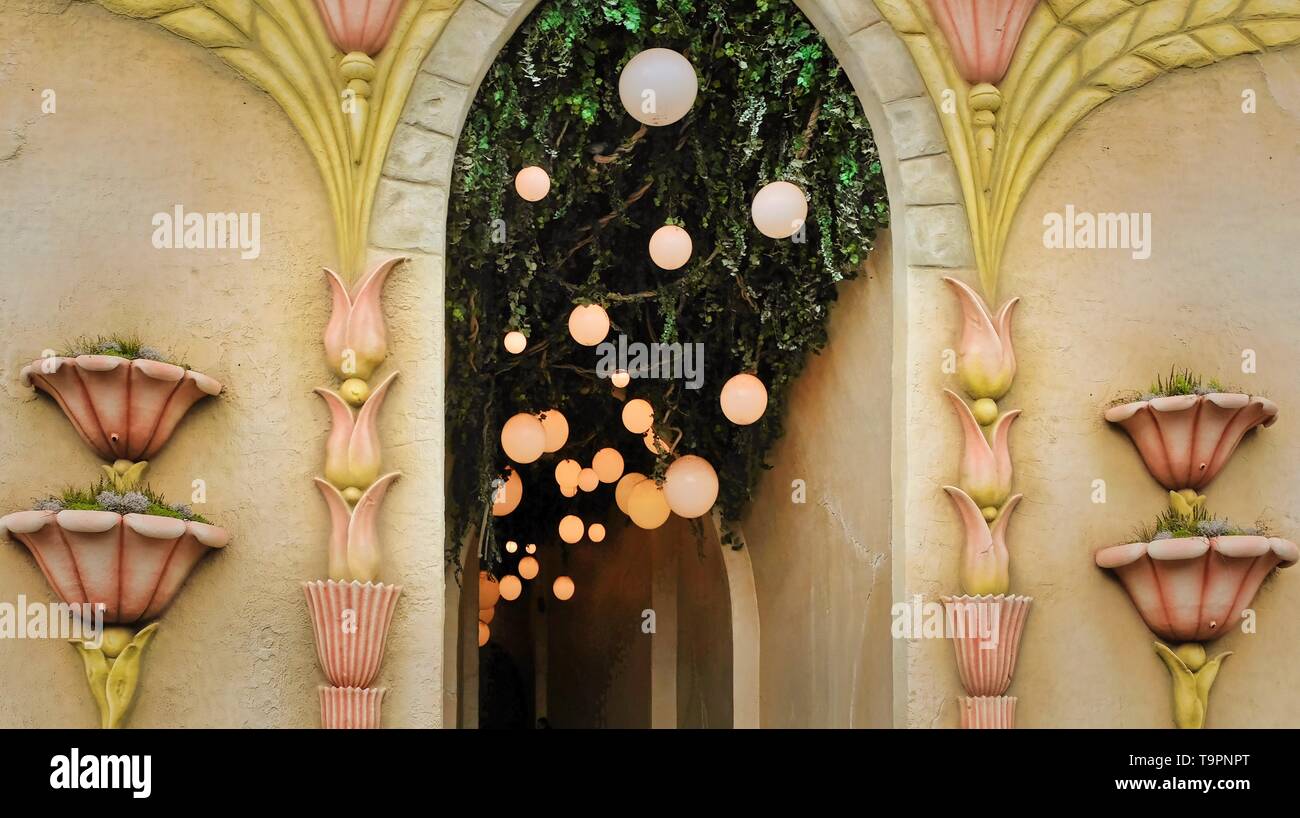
(987, 712)
(351, 708)
(986, 633)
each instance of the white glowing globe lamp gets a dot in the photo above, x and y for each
(596, 532)
(532, 184)
(779, 210)
(670, 247)
(571, 529)
(608, 465)
(507, 495)
(483, 633)
(515, 342)
(528, 568)
(523, 438)
(589, 324)
(563, 588)
(557, 429)
(488, 590)
(744, 399)
(647, 506)
(620, 378)
(587, 480)
(624, 488)
(658, 86)
(691, 486)
(511, 587)
(638, 416)
(567, 471)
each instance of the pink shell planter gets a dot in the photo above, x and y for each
(987, 665)
(359, 25)
(1185, 440)
(133, 564)
(983, 34)
(123, 409)
(1193, 589)
(987, 712)
(351, 708)
(350, 652)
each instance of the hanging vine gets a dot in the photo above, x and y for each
(773, 104)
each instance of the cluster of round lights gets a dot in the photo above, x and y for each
(658, 87)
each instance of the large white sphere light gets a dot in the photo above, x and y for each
(691, 486)
(658, 86)
(563, 588)
(638, 416)
(744, 399)
(589, 324)
(523, 438)
(506, 496)
(779, 210)
(647, 506)
(624, 488)
(557, 429)
(528, 567)
(532, 184)
(571, 529)
(608, 465)
(670, 247)
(511, 587)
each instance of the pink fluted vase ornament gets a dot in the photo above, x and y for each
(986, 632)
(985, 473)
(982, 34)
(350, 621)
(352, 451)
(361, 29)
(356, 338)
(985, 564)
(986, 359)
(123, 409)
(132, 564)
(1185, 440)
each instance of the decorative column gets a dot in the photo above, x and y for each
(1193, 581)
(117, 551)
(987, 621)
(352, 610)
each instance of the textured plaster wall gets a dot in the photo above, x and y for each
(144, 121)
(822, 567)
(1220, 186)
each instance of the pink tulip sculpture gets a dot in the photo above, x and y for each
(352, 610)
(118, 569)
(1195, 578)
(987, 621)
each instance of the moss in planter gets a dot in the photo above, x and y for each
(1173, 525)
(102, 497)
(129, 347)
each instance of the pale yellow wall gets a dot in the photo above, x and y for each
(822, 568)
(145, 121)
(1221, 186)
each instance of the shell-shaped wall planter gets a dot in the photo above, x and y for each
(987, 712)
(1193, 589)
(123, 409)
(986, 638)
(350, 621)
(982, 34)
(1185, 440)
(133, 564)
(355, 708)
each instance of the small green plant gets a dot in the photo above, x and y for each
(104, 497)
(1173, 524)
(1177, 382)
(116, 346)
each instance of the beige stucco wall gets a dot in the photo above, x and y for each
(1220, 186)
(822, 567)
(145, 121)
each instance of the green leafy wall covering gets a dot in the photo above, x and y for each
(773, 104)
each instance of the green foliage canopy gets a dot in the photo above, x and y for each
(773, 105)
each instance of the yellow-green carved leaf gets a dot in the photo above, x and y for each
(96, 666)
(124, 677)
(202, 26)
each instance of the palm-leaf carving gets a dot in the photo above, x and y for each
(1073, 56)
(282, 47)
